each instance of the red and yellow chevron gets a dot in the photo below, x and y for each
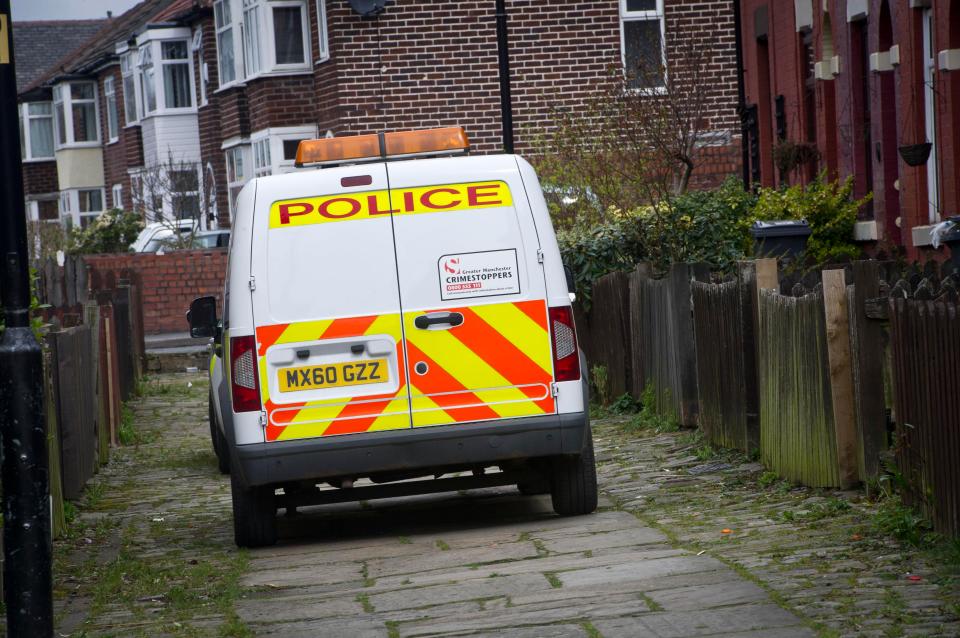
(497, 364)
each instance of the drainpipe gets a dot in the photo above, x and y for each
(506, 107)
(741, 95)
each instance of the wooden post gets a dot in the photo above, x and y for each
(841, 374)
(767, 276)
(686, 345)
(747, 275)
(868, 342)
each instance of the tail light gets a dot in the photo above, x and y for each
(244, 380)
(566, 357)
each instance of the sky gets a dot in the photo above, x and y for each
(67, 9)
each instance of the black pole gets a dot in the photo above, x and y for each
(25, 469)
(506, 104)
(741, 95)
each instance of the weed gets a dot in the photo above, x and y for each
(767, 479)
(443, 546)
(591, 631)
(625, 404)
(601, 384)
(903, 523)
(364, 601)
(705, 452)
(552, 578)
(70, 512)
(648, 419)
(393, 629)
(541, 548)
(404, 540)
(365, 573)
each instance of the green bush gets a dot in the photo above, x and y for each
(593, 250)
(111, 232)
(827, 206)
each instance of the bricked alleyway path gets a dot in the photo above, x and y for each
(151, 554)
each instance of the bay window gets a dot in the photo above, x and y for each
(113, 116)
(237, 158)
(225, 47)
(148, 88)
(642, 43)
(275, 149)
(75, 114)
(262, 37)
(79, 207)
(128, 70)
(261, 158)
(323, 45)
(175, 57)
(36, 131)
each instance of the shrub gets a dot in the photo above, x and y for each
(111, 232)
(827, 206)
(592, 251)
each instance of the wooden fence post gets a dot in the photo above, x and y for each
(747, 276)
(841, 373)
(868, 342)
(685, 344)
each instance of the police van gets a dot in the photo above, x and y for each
(396, 322)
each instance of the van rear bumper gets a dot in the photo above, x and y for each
(358, 455)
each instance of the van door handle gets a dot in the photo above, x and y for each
(425, 321)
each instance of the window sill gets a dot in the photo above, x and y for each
(76, 145)
(238, 84)
(113, 141)
(131, 124)
(39, 160)
(323, 58)
(163, 112)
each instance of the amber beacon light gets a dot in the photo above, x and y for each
(358, 148)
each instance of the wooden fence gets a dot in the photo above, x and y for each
(798, 368)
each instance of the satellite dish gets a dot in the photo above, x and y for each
(368, 8)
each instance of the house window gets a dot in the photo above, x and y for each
(117, 194)
(261, 158)
(290, 34)
(36, 131)
(197, 47)
(257, 37)
(136, 192)
(225, 47)
(148, 88)
(642, 43)
(324, 44)
(75, 113)
(175, 57)
(48, 210)
(90, 205)
(237, 174)
(128, 70)
(251, 37)
(113, 116)
(184, 193)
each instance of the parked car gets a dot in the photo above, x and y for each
(151, 237)
(212, 239)
(390, 320)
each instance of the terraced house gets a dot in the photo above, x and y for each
(864, 88)
(172, 107)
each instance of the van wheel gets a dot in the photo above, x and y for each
(218, 441)
(574, 485)
(254, 515)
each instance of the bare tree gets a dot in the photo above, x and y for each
(641, 136)
(172, 192)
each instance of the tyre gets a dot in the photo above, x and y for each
(219, 442)
(574, 482)
(254, 515)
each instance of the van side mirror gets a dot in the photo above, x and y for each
(202, 317)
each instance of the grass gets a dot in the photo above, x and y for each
(553, 579)
(590, 630)
(443, 545)
(364, 601)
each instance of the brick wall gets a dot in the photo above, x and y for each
(126, 152)
(170, 282)
(40, 178)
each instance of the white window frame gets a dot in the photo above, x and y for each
(168, 206)
(113, 114)
(254, 49)
(70, 213)
(116, 196)
(260, 149)
(232, 148)
(63, 96)
(930, 115)
(33, 209)
(150, 43)
(128, 70)
(642, 16)
(323, 46)
(27, 145)
(197, 48)
(274, 139)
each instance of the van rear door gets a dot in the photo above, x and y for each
(326, 305)
(472, 291)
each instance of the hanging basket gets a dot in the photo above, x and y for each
(916, 154)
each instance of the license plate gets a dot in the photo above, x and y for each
(333, 375)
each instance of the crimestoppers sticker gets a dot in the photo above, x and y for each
(482, 274)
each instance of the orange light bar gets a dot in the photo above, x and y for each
(361, 147)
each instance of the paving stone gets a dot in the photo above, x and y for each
(728, 620)
(635, 570)
(731, 592)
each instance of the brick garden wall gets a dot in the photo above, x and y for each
(170, 282)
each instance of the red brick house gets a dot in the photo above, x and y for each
(199, 96)
(859, 79)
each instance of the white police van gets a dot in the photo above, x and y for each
(399, 315)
